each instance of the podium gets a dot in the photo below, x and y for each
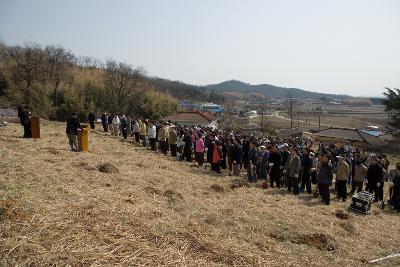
(35, 127)
(83, 138)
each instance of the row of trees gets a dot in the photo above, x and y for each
(55, 83)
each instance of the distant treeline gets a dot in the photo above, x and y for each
(54, 83)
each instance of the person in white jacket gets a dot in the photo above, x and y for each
(151, 134)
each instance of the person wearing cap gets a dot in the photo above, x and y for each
(292, 170)
(342, 174)
(274, 162)
(73, 126)
(374, 177)
(324, 178)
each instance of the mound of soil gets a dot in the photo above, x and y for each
(342, 215)
(84, 165)
(172, 196)
(349, 227)
(9, 209)
(217, 188)
(107, 168)
(320, 241)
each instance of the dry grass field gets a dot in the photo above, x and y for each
(57, 208)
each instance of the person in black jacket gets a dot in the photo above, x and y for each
(374, 178)
(73, 126)
(306, 165)
(25, 120)
(104, 122)
(274, 162)
(324, 178)
(91, 119)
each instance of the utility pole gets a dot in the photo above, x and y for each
(291, 112)
(319, 118)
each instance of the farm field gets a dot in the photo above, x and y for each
(64, 208)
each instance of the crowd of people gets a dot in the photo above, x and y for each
(295, 163)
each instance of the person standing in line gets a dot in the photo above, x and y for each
(152, 134)
(230, 148)
(342, 174)
(324, 178)
(124, 126)
(395, 186)
(292, 170)
(217, 156)
(374, 177)
(359, 174)
(173, 137)
(91, 120)
(199, 151)
(143, 132)
(136, 130)
(129, 126)
(162, 139)
(110, 123)
(73, 126)
(115, 126)
(306, 165)
(275, 160)
(264, 162)
(237, 156)
(252, 162)
(104, 122)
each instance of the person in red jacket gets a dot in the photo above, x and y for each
(216, 157)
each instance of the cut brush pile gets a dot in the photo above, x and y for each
(115, 205)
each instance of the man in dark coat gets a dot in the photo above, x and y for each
(374, 178)
(274, 162)
(104, 122)
(306, 165)
(73, 126)
(25, 120)
(91, 119)
(324, 178)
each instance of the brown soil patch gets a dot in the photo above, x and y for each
(108, 168)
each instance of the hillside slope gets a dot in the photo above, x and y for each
(268, 90)
(57, 208)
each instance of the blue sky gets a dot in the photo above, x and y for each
(331, 46)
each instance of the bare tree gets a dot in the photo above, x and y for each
(27, 64)
(59, 62)
(122, 80)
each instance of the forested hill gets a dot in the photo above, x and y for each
(269, 90)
